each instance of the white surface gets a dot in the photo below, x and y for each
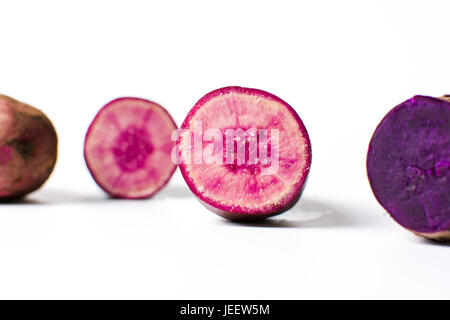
(341, 64)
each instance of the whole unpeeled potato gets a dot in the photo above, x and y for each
(28, 148)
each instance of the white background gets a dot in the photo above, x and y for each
(341, 64)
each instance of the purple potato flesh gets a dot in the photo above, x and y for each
(408, 165)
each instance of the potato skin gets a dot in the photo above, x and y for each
(28, 148)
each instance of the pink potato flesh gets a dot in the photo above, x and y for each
(239, 191)
(28, 148)
(128, 148)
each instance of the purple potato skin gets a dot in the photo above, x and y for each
(28, 148)
(408, 165)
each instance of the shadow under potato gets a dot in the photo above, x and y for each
(431, 242)
(175, 191)
(18, 200)
(55, 196)
(307, 213)
(52, 196)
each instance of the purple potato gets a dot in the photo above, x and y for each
(408, 165)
